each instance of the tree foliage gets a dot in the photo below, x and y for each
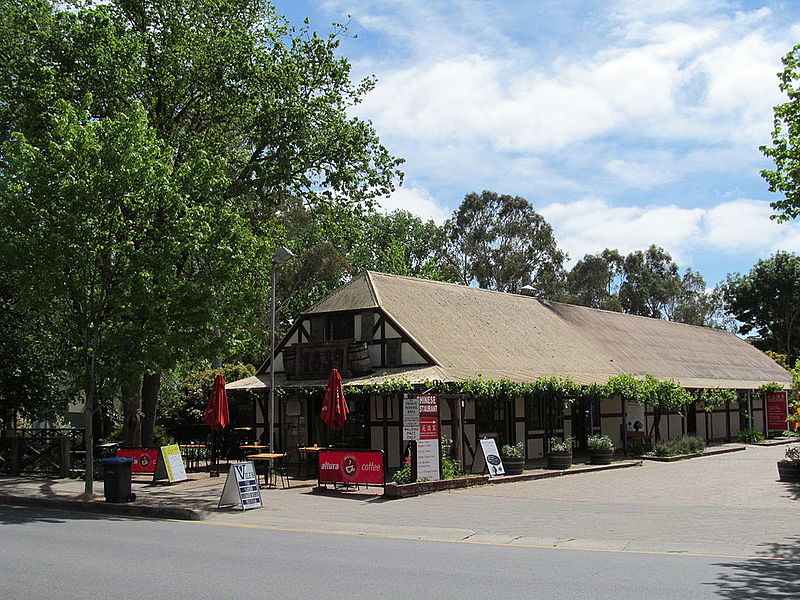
(785, 151)
(501, 243)
(183, 408)
(764, 301)
(148, 146)
(646, 283)
(595, 280)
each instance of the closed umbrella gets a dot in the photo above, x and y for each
(217, 417)
(334, 406)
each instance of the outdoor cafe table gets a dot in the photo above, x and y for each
(270, 457)
(194, 452)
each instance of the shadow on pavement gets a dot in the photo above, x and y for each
(792, 490)
(775, 576)
(20, 515)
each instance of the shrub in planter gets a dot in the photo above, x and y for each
(789, 467)
(750, 436)
(513, 458)
(601, 449)
(560, 454)
(687, 444)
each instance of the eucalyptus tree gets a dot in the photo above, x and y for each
(501, 243)
(595, 280)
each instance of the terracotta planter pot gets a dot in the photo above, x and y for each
(789, 470)
(600, 457)
(559, 460)
(514, 466)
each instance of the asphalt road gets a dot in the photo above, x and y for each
(62, 555)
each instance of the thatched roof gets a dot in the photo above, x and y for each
(469, 332)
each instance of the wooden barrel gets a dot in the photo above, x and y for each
(290, 361)
(358, 360)
(559, 460)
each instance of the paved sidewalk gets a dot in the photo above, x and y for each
(723, 504)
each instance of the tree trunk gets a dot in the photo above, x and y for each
(151, 384)
(132, 413)
(657, 424)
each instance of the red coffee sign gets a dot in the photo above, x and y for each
(776, 411)
(364, 467)
(144, 459)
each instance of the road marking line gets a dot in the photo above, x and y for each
(476, 543)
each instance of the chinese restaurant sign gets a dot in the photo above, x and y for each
(364, 467)
(776, 411)
(428, 442)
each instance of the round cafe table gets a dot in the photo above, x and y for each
(271, 469)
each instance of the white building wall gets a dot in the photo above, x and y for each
(409, 355)
(719, 424)
(374, 354)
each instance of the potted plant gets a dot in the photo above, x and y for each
(513, 458)
(601, 449)
(560, 454)
(789, 467)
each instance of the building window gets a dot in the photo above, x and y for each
(540, 416)
(341, 327)
(534, 414)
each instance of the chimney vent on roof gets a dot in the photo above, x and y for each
(529, 290)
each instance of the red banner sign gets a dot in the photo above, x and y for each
(428, 416)
(776, 411)
(144, 459)
(364, 467)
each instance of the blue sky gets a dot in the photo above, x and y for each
(624, 123)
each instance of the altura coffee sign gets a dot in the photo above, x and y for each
(363, 467)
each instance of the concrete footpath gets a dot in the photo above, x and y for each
(728, 503)
(198, 498)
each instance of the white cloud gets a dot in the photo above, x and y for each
(592, 224)
(698, 73)
(417, 201)
(657, 170)
(740, 227)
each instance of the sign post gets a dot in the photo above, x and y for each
(487, 458)
(777, 411)
(428, 449)
(144, 459)
(169, 464)
(241, 487)
(411, 419)
(351, 467)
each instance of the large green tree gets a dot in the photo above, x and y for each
(647, 283)
(785, 149)
(765, 302)
(595, 280)
(501, 243)
(238, 111)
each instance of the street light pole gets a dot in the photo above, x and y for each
(280, 257)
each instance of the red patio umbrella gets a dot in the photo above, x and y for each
(334, 407)
(216, 415)
(217, 418)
